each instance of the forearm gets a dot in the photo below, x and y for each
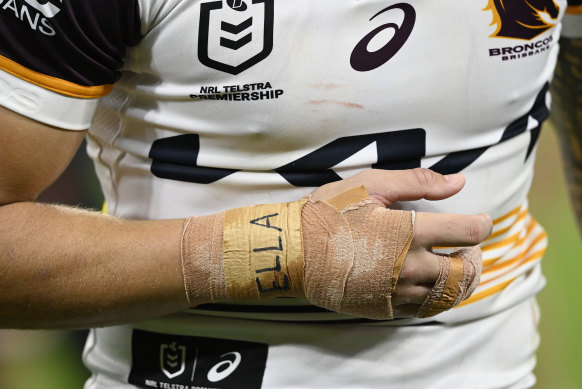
(567, 116)
(64, 267)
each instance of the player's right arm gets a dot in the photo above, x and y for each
(66, 267)
(62, 267)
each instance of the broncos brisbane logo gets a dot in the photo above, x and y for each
(522, 19)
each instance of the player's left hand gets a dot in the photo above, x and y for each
(422, 267)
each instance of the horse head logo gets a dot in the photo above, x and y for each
(522, 19)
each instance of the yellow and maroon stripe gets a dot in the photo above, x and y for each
(52, 83)
(516, 244)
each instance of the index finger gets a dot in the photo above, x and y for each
(450, 230)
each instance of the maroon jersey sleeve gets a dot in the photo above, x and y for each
(72, 47)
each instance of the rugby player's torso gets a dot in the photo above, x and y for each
(232, 103)
(285, 95)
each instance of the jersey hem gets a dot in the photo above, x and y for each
(44, 105)
(52, 83)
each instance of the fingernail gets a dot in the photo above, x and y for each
(487, 216)
(454, 178)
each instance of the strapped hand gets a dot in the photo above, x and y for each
(348, 254)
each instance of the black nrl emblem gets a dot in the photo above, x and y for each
(240, 24)
(364, 60)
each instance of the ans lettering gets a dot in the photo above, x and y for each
(32, 15)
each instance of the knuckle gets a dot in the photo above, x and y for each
(425, 177)
(406, 272)
(410, 271)
(475, 233)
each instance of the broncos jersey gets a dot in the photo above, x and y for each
(198, 106)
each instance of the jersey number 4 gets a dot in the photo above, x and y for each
(176, 158)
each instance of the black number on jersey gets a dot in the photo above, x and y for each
(396, 150)
(176, 158)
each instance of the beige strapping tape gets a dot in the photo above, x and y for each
(451, 290)
(349, 197)
(400, 260)
(263, 257)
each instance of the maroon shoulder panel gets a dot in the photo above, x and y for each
(81, 41)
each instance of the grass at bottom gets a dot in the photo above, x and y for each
(41, 359)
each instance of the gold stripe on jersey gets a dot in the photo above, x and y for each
(494, 265)
(511, 213)
(502, 243)
(538, 255)
(513, 240)
(574, 10)
(486, 293)
(517, 243)
(52, 83)
(503, 231)
(513, 263)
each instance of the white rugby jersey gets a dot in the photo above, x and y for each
(197, 106)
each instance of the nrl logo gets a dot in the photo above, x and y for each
(172, 359)
(235, 35)
(522, 19)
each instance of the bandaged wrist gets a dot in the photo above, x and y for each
(248, 253)
(344, 254)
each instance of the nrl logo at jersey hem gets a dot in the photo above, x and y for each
(235, 35)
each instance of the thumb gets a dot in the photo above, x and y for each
(389, 186)
(413, 184)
